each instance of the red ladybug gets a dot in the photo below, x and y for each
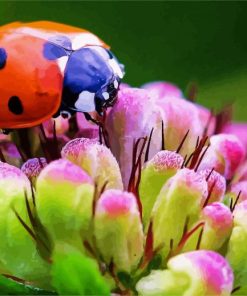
(47, 69)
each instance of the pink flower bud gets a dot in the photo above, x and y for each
(239, 130)
(118, 229)
(218, 223)
(179, 117)
(225, 155)
(162, 89)
(32, 168)
(10, 152)
(133, 116)
(216, 184)
(240, 189)
(190, 274)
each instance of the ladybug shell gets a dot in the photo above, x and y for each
(30, 84)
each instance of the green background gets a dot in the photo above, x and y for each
(203, 42)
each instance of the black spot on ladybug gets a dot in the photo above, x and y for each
(15, 105)
(3, 57)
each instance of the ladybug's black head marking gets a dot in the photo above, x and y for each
(3, 58)
(15, 105)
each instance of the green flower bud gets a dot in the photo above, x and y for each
(180, 200)
(118, 229)
(154, 175)
(218, 223)
(64, 201)
(237, 252)
(97, 160)
(197, 273)
(18, 253)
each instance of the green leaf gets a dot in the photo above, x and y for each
(11, 287)
(75, 274)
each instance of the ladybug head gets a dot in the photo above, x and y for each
(91, 80)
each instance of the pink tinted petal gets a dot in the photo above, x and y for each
(162, 89)
(231, 148)
(64, 170)
(241, 174)
(225, 155)
(179, 117)
(165, 160)
(115, 203)
(9, 171)
(75, 146)
(194, 181)
(62, 126)
(214, 269)
(32, 167)
(10, 152)
(237, 129)
(133, 116)
(237, 188)
(124, 85)
(87, 129)
(216, 184)
(219, 216)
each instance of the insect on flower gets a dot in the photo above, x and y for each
(47, 69)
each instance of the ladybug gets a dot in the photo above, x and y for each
(49, 69)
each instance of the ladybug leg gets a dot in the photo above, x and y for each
(5, 131)
(90, 118)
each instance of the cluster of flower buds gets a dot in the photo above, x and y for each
(153, 195)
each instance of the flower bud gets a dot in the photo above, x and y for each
(238, 190)
(162, 89)
(216, 185)
(237, 252)
(97, 160)
(179, 117)
(239, 130)
(241, 173)
(118, 229)
(132, 117)
(225, 155)
(180, 200)
(190, 274)
(32, 168)
(64, 201)
(10, 152)
(19, 255)
(218, 223)
(154, 175)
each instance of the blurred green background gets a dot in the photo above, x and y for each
(203, 42)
